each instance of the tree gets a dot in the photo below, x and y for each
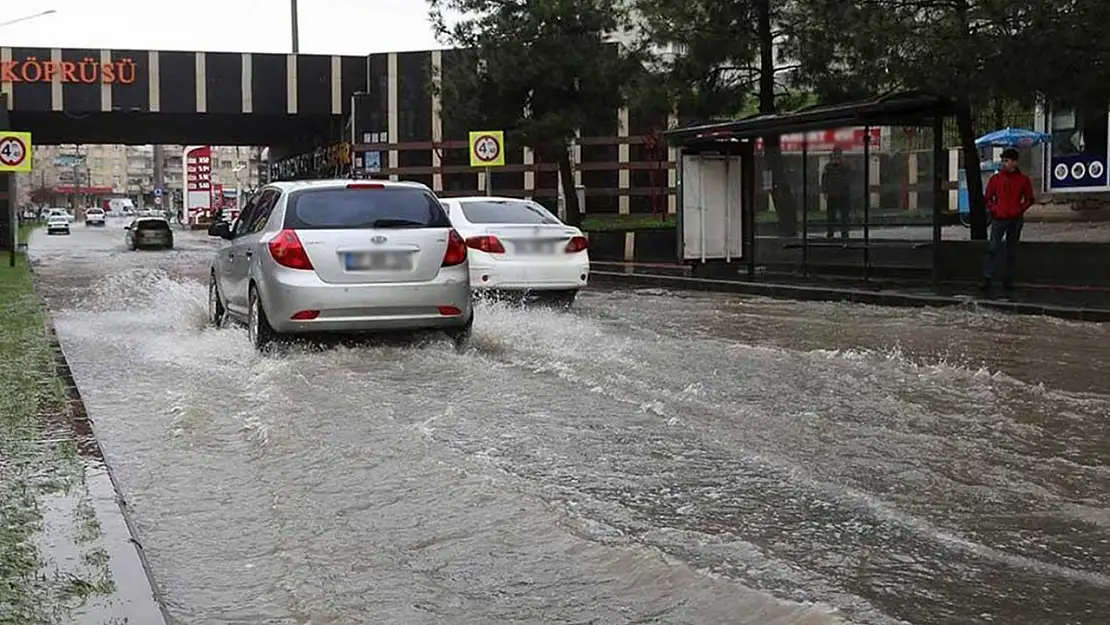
(541, 69)
(714, 56)
(42, 195)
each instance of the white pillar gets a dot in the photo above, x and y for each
(954, 176)
(672, 173)
(437, 120)
(912, 181)
(391, 99)
(623, 174)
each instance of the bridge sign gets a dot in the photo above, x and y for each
(15, 151)
(487, 148)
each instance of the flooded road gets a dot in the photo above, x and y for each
(650, 457)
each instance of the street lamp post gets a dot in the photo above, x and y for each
(10, 187)
(294, 27)
(29, 17)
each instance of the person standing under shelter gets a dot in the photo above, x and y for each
(836, 184)
(1009, 194)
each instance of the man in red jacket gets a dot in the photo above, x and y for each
(1009, 194)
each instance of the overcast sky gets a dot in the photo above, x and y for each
(326, 26)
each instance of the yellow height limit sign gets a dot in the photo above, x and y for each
(15, 151)
(487, 148)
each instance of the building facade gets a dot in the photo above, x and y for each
(79, 172)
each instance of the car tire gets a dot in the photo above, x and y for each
(216, 310)
(461, 336)
(564, 299)
(259, 330)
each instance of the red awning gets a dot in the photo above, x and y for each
(65, 189)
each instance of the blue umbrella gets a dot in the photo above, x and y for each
(1012, 138)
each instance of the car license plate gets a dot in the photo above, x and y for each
(378, 261)
(531, 247)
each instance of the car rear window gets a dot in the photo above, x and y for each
(153, 224)
(387, 207)
(506, 212)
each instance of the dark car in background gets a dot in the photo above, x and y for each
(149, 232)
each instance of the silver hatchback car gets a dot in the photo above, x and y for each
(341, 256)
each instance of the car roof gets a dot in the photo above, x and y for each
(339, 183)
(150, 218)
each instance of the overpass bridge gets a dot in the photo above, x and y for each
(149, 96)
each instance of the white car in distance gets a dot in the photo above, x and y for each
(59, 212)
(518, 246)
(94, 216)
(57, 224)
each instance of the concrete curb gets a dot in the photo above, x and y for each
(859, 296)
(136, 591)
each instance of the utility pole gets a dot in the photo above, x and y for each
(76, 177)
(294, 27)
(160, 174)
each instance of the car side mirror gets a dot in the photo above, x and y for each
(220, 229)
(127, 227)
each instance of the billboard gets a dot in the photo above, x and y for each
(1077, 159)
(198, 183)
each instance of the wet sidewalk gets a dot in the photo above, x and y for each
(67, 552)
(1091, 304)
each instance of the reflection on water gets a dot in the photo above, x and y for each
(649, 457)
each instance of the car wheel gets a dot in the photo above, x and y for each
(564, 299)
(216, 309)
(258, 326)
(461, 336)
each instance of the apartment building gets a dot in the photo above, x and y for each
(75, 172)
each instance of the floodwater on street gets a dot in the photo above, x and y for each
(649, 457)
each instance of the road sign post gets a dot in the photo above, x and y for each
(487, 150)
(15, 151)
(15, 156)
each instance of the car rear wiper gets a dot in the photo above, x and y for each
(396, 223)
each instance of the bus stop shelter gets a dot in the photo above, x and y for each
(718, 178)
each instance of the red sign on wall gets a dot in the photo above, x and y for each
(847, 139)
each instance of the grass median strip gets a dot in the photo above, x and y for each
(52, 563)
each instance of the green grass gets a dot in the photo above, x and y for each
(25, 230)
(33, 589)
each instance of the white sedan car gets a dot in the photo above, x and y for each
(94, 216)
(519, 246)
(56, 224)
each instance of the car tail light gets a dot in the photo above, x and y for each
(486, 243)
(456, 250)
(577, 244)
(365, 185)
(305, 315)
(287, 251)
(449, 311)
